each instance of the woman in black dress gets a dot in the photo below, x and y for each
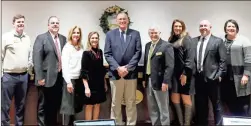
(93, 75)
(184, 69)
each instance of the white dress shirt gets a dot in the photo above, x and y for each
(59, 45)
(124, 34)
(203, 49)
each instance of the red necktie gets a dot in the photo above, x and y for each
(58, 54)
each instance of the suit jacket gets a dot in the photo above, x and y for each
(118, 55)
(162, 64)
(45, 58)
(214, 62)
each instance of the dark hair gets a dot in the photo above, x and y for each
(18, 16)
(183, 28)
(231, 21)
(51, 18)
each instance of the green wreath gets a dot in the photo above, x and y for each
(104, 24)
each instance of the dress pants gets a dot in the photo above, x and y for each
(158, 105)
(124, 89)
(207, 89)
(49, 101)
(13, 84)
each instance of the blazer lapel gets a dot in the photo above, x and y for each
(156, 47)
(197, 41)
(209, 44)
(49, 37)
(128, 38)
(61, 42)
(118, 40)
(147, 49)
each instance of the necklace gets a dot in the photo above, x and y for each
(97, 55)
(76, 47)
(228, 44)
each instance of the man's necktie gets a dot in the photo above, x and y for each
(200, 55)
(58, 54)
(148, 68)
(122, 36)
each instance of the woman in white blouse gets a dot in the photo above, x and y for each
(71, 66)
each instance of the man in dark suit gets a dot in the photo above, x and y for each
(48, 71)
(158, 70)
(210, 59)
(123, 52)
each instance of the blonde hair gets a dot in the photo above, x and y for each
(70, 36)
(88, 44)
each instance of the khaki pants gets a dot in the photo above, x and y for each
(124, 89)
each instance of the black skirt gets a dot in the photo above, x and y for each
(97, 96)
(187, 89)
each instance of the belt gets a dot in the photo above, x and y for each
(23, 73)
(200, 71)
(148, 75)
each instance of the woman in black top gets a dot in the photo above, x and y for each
(183, 80)
(93, 75)
(236, 84)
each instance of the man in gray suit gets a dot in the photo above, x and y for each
(158, 70)
(47, 65)
(123, 52)
(210, 59)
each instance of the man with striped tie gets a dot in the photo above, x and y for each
(48, 71)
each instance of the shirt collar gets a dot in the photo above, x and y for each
(206, 37)
(121, 30)
(16, 34)
(155, 42)
(52, 35)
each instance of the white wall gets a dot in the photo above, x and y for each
(86, 14)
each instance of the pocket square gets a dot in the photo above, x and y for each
(158, 53)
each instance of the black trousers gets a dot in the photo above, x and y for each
(13, 84)
(204, 90)
(49, 102)
(238, 106)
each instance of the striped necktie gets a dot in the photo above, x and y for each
(58, 54)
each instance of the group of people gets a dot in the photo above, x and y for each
(69, 77)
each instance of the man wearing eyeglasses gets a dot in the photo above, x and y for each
(48, 71)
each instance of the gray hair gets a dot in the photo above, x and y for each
(154, 27)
